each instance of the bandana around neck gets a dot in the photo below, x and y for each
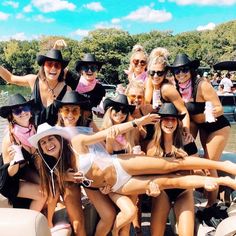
(23, 133)
(85, 85)
(142, 77)
(186, 90)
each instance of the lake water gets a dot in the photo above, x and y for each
(5, 90)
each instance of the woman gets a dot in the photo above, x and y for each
(71, 115)
(167, 142)
(19, 175)
(138, 64)
(46, 86)
(196, 93)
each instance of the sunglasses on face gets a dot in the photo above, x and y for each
(117, 109)
(141, 62)
(18, 110)
(169, 119)
(55, 64)
(133, 97)
(92, 68)
(159, 73)
(66, 110)
(184, 70)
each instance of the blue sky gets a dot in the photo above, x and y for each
(29, 19)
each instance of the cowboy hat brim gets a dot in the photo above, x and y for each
(53, 130)
(82, 104)
(5, 111)
(179, 116)
(225, 65)
(108, 102)
(79, 64)
(193, 64)
(42, 58)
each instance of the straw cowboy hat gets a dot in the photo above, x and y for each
(73, 98)
(168, 109)
(52, 55)
(87, 59)
(45, 130)
(182, 59)
(14, 100)
(119, 100)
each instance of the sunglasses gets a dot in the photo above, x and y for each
(124, 110)
(184, 70)
(55, 64)
(169, 118)
(65, 111)
(18, 110)
(141, 62)
(133, 97)
(159, 73)
(92, 68)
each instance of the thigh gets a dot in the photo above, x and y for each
(29, 190)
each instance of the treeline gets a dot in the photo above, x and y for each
(113, 47)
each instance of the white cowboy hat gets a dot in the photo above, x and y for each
(45, 130)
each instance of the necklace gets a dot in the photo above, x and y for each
(51, 90)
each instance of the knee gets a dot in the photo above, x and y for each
(131, 212)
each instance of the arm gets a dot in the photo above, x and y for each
(148, 91)
(80, 141)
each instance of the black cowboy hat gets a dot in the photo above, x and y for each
(119, 100)
(87, 59)
(225, 65)
(168, 109)
(52, 55)
(182, 59)
(73, 98)
(14, 100)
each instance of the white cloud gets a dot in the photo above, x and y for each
(106, 25)
(27, 8)
(41, 18)
(18, 36)
(80, 32)
(53, 5)
(205, 2)
(209, 26)
(94, 6)
(11, 3)
(147, 14)
(4, 16)
(20, 16)
(115, 21)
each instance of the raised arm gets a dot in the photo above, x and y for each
(27, 80)
(80, 142)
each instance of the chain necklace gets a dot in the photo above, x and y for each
(51, 90)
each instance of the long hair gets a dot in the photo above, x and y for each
(64, 163)
(107, 123)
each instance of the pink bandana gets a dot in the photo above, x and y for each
(142, 77)
(186, 90)
(85, 86)
(23, 133)
(121, 139)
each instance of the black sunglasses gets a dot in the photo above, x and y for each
(158, 72)
(18, 110)
(86, 68)
(124, 110)
(177, 70)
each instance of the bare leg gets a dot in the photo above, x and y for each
(127, 212)
(72, 199)
(32, 191)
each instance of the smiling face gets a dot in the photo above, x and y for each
(136, 97)
(89, 71)
(182, 74)
(139, 63)
(70, 114)
(50, 145)
(157, 73)
(169, 124)
(118, 114)
(52, 69)
(21, 115)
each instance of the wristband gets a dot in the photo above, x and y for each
(134, 124)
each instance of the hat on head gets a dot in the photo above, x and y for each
(73, 98)
(45, 130)
(14, 100)
(182, 59)
(119, 100)
(87, 59)
(52, 55)
(168, 109)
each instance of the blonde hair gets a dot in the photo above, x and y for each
(136, 85)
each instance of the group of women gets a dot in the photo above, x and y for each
(64, 149)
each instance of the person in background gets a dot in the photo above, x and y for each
(138, 64)
(167, 142)
(19, 170)
(71, 115)
(227, 84)
(205, 110)
(46, 86)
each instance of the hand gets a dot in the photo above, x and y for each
(153, 189)
(148, 119)
(106, 189)
(187, 136)
(210, 185)
(60, 44)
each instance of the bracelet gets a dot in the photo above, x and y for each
(134, 124)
